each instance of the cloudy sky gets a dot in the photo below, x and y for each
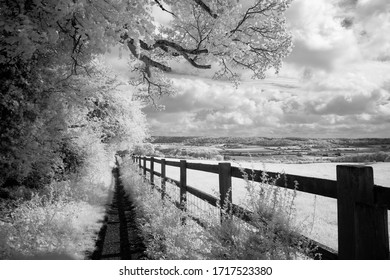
(335, 83)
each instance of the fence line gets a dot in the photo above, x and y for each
(362, 207)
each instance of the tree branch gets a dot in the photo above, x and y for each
(162, 8)
(206, 8)
(147, 60)
(164, 44)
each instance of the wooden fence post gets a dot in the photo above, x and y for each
(163, 178)
(144, 167)
(152, 171)
(225, 188)
(183, 186)
(139, 164)
(362, 225)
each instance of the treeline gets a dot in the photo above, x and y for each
(63, 116)
(57, 97)
(364, 157)
(149, 149)
(265, 141)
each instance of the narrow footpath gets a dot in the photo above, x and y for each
(119, 237)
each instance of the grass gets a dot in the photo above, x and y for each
(61, 220)
(165, 235)
(271, 236)
(317, 213)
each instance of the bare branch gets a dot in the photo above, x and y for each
(162, 8)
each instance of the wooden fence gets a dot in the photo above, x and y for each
(362, 207)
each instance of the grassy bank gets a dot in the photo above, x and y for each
(61, 220)
(167, 237)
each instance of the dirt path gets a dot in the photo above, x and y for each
(119, 238)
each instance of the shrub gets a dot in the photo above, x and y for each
(60, 220)
(218, 157)
(145, 149)
(51, 223)
(366, 157)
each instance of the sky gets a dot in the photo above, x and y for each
(335, 83)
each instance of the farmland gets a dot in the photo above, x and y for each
(285, 150)
(316, 216)
(317, 158)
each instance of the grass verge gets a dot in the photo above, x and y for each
(270, 236)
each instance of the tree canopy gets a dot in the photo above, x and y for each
(208, 34)
(52, 85)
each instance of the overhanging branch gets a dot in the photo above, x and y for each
(164, 44)
(146, 59)
(206, 8)
(162, 7)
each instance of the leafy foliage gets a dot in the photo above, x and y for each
(48, 67)
(59, 105)
(218, 35)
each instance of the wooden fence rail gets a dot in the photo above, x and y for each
(362, 207)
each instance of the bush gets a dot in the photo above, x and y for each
(60, 220)
(51, 223)
(367, 157)
(218, 158)
(146, 149)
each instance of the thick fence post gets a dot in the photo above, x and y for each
(152, 171)
(163, 178)
(183, 186)
(144, 167)
(362, 225)
(139, 163)
(225, 187)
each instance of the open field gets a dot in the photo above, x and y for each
(315, 214)
(286, 150)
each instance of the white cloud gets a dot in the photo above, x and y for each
(334, 84)
(373, 27)
(320, 40)
(207, 108)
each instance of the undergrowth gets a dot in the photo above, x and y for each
(165, 235)
(271, 235)
(59, 221)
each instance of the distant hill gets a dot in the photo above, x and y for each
(265, 141)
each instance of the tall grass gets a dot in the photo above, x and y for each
(61, 220)
(165, 235)
(271, 235)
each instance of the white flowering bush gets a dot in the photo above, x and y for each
(62, 219)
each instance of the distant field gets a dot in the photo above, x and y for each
(249, 150)
(321, 210)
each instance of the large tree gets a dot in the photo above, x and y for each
(221, 35)
(45, 45)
